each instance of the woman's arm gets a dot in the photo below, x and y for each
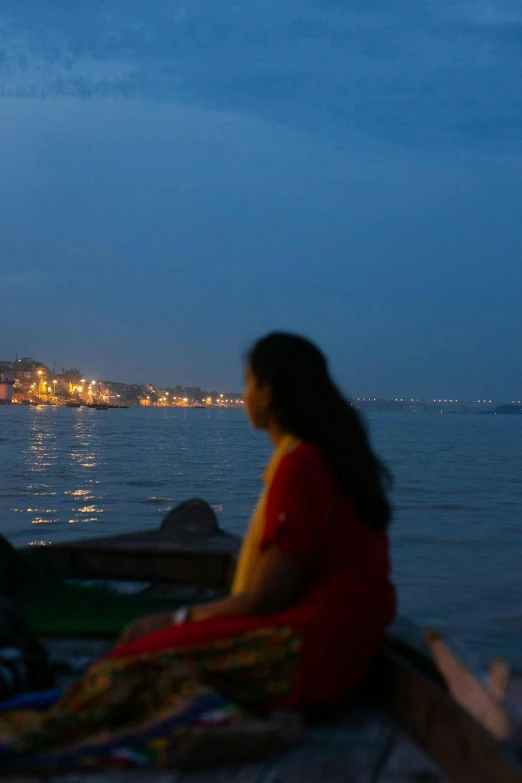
(297, 523)
(276, 587)
(298, 510)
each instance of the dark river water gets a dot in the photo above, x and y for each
(456, 536)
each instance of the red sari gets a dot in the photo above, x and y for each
(316, 654)
(347, 599)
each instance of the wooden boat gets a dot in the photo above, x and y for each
(189, 548)
(409, 724)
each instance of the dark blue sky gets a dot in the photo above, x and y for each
(180, 177)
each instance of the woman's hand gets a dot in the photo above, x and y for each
(275, 588)
(144, 625)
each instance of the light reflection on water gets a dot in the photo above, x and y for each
(457, 534)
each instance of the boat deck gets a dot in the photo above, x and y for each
(409, 716)
(364, 746)
(368, 753)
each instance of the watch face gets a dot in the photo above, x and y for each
(181, 615)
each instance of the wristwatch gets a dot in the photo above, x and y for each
(181, 615)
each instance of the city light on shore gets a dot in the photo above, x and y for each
(26, 381)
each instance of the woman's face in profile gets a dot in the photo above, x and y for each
(257, 400)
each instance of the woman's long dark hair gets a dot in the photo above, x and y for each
(307, 403)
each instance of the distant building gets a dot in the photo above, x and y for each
(6, 388)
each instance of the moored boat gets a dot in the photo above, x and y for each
(514, 408)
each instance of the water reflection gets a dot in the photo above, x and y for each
(83, 520)
(445, 494)
(42, 521)
(42, 447)
(61, 451)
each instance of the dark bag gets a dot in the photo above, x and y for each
(24, 663)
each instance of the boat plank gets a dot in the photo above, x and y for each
(182, 567)
(437, 724)
(347, 753)
(149, 556)
(406, 763)
(157, 563)
(155, 539)
(351, 750)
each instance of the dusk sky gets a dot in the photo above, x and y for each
(178, 178)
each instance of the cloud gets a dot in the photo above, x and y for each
(20, 278)
(419, 74)
(490, 12)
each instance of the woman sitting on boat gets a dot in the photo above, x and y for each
(311, 596)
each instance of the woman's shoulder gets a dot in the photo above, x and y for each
(305, 458)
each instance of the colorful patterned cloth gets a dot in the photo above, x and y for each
(128, 710)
